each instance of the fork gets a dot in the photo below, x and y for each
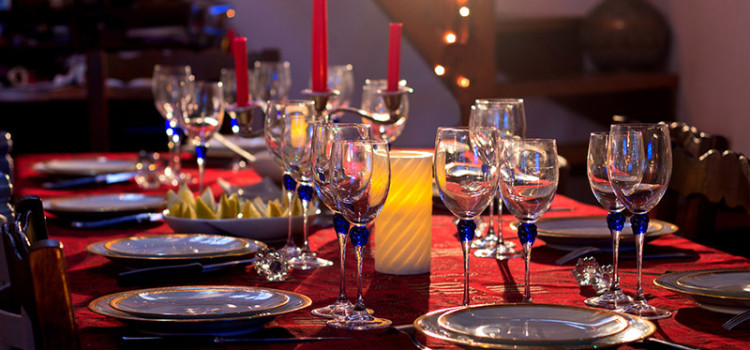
(736, 320)
(410, 331)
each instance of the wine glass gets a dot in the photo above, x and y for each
(168, 86)
(341, 79)
(296, 151)
(528, 180)
(466, 177)
(596, 169)
(360, 178)
(373, 104)
(323, 136)
(271, 80)
(241, 123)
(639, 158)
(507, 116)
(202, 117)
(273, 131)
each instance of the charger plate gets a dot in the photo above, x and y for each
(105, 205)
(178, 245)
(719, 290)
(633, 328)
(198, 302)
(225, 326)
(84, 166)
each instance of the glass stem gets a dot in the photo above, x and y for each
(289, 199)
(639, 224)
(342, 227)
(527, 272)
(200, 152)
(499, 231)
(491, 228)
(173, 143)
(358, 254)
(305, 195)
(615, 284)
(465, 245)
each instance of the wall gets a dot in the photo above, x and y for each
(357, 35)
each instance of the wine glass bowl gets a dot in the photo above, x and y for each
(597, 173)
(169, 84)
(271, 80)
(380, 105)
(528, 180)
(466, 178)
(639, 160)
(202, 118)
(360, 179)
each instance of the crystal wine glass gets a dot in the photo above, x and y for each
(596, 169)
(241, 123)
(466, 178)
(273, 131)
(639, 157)
(271, 80)
(202, 117)
(507, 116)
(360, 178)
(323, 136)
(340, 79)
(528, 180)
(168, 85)
(296, 150)
(374, 104)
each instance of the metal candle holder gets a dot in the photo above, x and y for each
(320, 101)
(391, 99)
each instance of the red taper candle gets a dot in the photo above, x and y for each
(394, 55)
(239, 50)
(320, 46)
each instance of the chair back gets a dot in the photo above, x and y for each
(37, 311)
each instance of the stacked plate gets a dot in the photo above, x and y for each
(175, 248)
(720, 290)
(533, 326)
(573, 233)
(104, 205)
(211, 310)
(84, 166)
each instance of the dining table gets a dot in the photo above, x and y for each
(400, 298)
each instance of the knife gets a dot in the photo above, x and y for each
(120, 220)
(193, 340)
(90, 180)
(158, 273)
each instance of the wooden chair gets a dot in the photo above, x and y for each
(709, 193)
(36, 311)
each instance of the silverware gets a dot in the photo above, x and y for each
(661, 343)
(736, 320)
(120, 220)
(411, 332)
(586, 250)
(233, 147)
(158, 273)
(90, 180)
(193, 340)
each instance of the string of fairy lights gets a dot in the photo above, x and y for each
(450, 38)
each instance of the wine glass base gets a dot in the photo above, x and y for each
(483, 243)
(309, 262)
(500, 252)
(612, 300)
(290, 251)
(644, 310)
(359, 324)
(336, 310)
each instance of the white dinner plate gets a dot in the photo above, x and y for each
(99, 248)
(636, 328)
(730, 294)
(113, 204)
(268, 229)
(533, 323)
(225, 326)
(571, 233)
(85, 166)
(198, 302)
(177, 245)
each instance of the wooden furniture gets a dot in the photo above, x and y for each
(37, 311)
(709, 192)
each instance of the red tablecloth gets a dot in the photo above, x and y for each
(399, 298)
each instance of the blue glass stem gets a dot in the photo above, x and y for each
(173, 144)
(527, 236)
(305, 193)
(200, 153)
(466, 229)
(615, 222)
(341, 226)
(639, 224)
(359, 235)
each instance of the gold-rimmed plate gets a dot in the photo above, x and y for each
(84, 166)
(637, 329)
(188, 245)
(571, 233)
(99, 248)
(225, 326)
(104, 205)
(724, 297)
(533, 323)
(198, 302)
